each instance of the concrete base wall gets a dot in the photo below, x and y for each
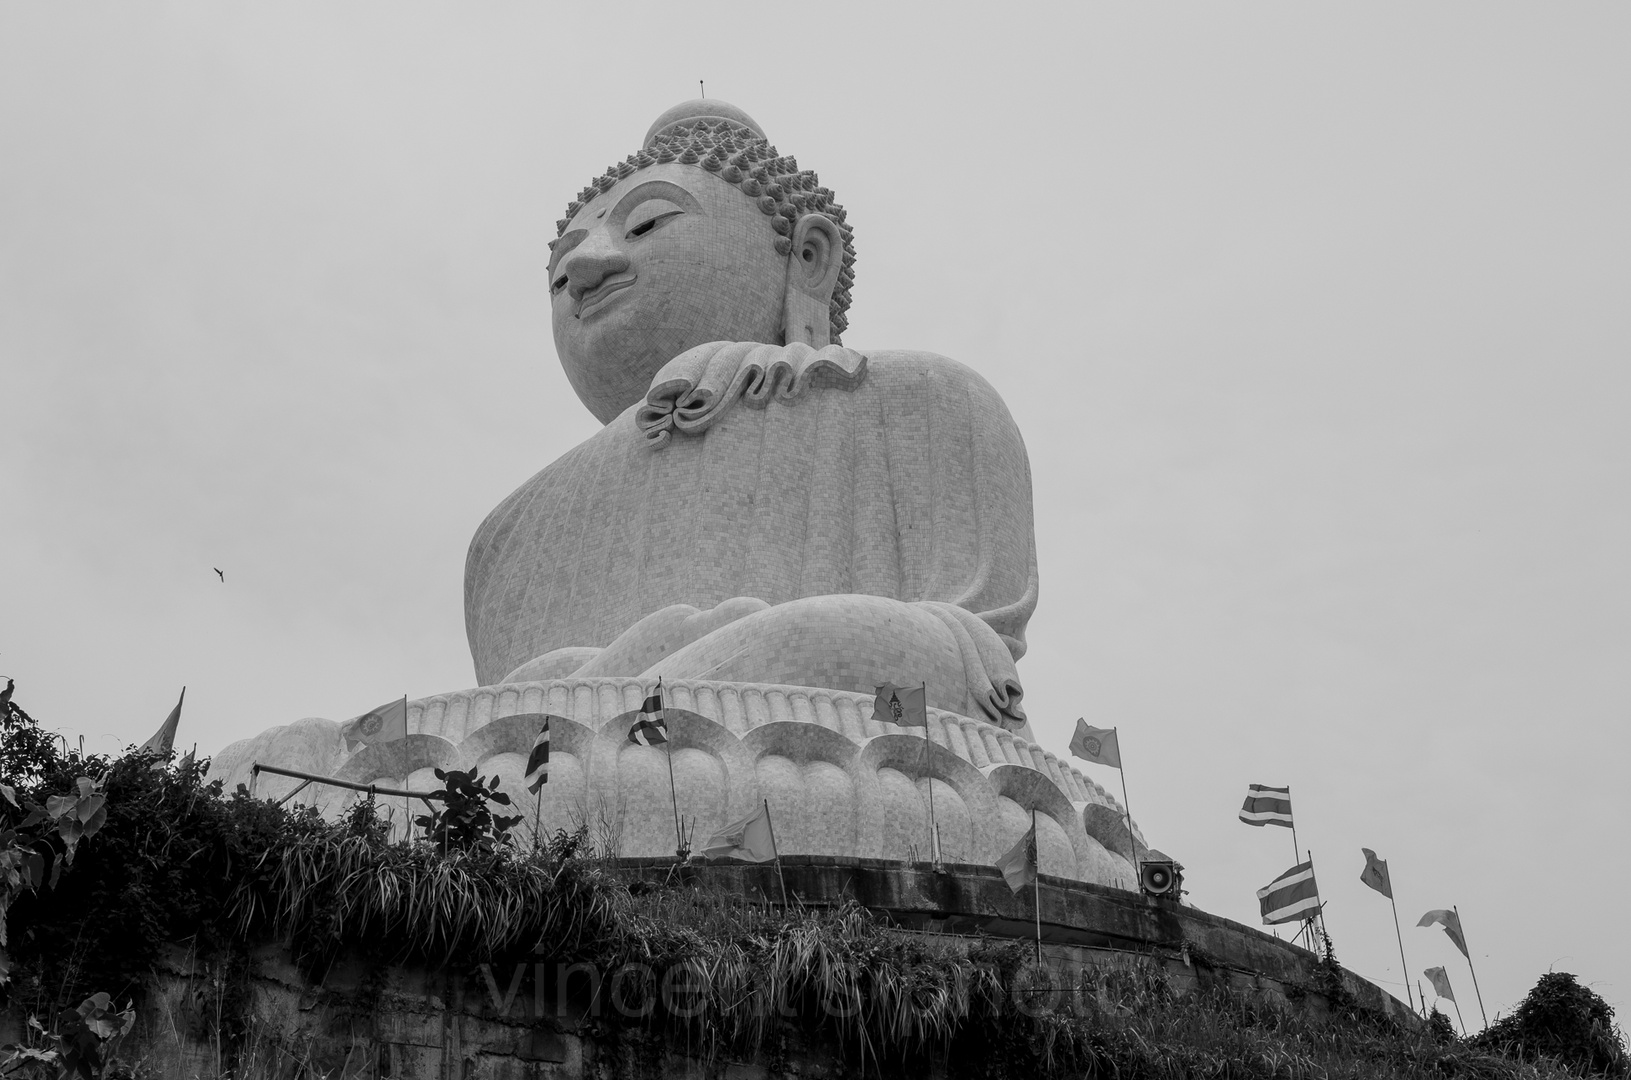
(525, 1019)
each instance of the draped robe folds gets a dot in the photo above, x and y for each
(775, 514)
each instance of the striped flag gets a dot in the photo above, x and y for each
(650, 729)
(899, 705)
(1267, 806)
(1291, 897)
(538, 760)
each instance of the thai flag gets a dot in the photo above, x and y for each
(650, 729)
(538, 760)
(1291, 897)
(1267, 806)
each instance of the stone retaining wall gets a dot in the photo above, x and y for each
(524, 1020)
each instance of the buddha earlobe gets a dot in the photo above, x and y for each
(815, 257)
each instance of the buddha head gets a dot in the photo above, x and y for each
(707, 234)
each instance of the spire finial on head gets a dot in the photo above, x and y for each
(710, 110)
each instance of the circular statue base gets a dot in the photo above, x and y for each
(838, 782)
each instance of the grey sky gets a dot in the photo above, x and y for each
(1315, 323)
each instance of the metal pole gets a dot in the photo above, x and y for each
(1403, 966)
(334, 781)
(297, 790)
(928, 772)
(1470, 968)
(1127, 805)
(772, 826)
(1296, 848)
(407, 806)
(1036, 885)
(1319, 912)
(679, 839)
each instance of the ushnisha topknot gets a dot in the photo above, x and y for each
(740, 156)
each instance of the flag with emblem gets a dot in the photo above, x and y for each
(1266, 805)
(750, 839)
(388, 723)
(899, 705)
(1452, 926)
(1375, 873)
(651, 729)
(1018, 866)
(538, 760)
(1291, 897)
(164, 739)
(1441, 982)
(1098, 745)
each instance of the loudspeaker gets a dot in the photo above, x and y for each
(1161, 878)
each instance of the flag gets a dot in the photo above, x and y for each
(1291, 897)
(1267, 806)
(898, 705)
(1375, 874)
(388, 723)
(749, 839)
(651, 729)
(538, 761)
(1095, 744)
(1441, 982)
(1452, 926)
(1019, 865)
(164, 740)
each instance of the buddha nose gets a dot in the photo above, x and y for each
(591, 263)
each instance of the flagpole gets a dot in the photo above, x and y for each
(1308, 923)
(407, 807)
(1036, 887)
(1127, 805)
(1319, 912)
(928, 771)
(1404, 966)
(1296, 848)
(679, 840)
(1457, 1005)
(771, 824)
(1470, 968)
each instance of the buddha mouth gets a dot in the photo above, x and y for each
(596, 298)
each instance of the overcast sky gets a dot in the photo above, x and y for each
(1316, 323)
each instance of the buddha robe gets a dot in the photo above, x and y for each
(778, 515)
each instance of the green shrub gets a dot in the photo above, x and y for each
(1563, 1020)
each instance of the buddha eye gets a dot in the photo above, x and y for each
(558, 284)
(652, 223)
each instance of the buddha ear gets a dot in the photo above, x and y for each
(813, 263)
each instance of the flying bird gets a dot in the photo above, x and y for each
(222, 576)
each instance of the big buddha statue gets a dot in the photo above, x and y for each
(763, 504)
(771, 522)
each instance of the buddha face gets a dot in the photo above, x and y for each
(670, 258)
